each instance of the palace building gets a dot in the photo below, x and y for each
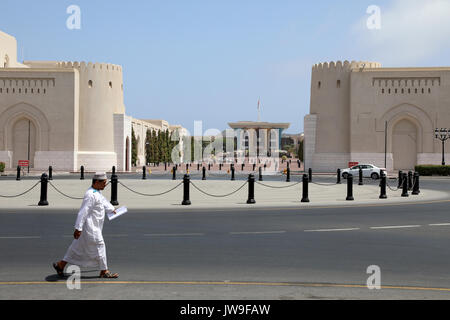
(66, 114)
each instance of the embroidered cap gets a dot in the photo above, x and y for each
(100, 176)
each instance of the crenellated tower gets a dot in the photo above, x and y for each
(327, 127)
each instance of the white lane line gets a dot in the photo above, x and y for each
(332, 230)
(36, 237)
(174, 234)
(258, 232)
(395, 227)
(439, 224)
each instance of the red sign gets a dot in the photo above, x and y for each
(352, 164)
(24, 163)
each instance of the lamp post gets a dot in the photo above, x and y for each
(443, 135)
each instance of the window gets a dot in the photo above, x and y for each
(339, 83)
(319, 85)
(90, 83)
(110, 84)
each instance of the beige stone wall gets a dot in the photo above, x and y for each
(46, 97)
(351, 103)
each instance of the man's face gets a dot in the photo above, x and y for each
(100, 185)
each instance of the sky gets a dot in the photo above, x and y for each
(212, 60)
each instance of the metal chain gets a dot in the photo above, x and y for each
(217, 196)
(273, 187)
(150, 195)
(16, 196)
(65, 195)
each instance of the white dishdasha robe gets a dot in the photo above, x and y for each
(90, 250)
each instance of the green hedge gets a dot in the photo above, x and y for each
(2, 167)
(430, 170)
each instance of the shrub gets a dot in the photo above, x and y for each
(2, 167)
(429, 170)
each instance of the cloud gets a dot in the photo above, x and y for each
(411, 31)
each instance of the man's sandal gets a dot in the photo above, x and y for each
(109, 275)
(58, 270)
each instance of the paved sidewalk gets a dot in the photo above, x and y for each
(267, 195)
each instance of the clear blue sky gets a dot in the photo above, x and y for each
(211, 60)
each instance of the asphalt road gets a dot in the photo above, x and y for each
(247, 254)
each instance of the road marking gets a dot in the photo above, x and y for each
(332, 230)
(226, 283)
(20, 237)
(257, 232)
(395, 227)
(439, 224)
(174, 234)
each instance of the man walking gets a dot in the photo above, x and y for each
(88, 249)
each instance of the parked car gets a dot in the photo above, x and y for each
(369, 171)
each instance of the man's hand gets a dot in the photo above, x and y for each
(77, 234)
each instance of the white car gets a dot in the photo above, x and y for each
(369, 171)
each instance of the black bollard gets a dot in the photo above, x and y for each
(114, 170)
(405, 185)
(187, 168)
(18, 173)
(114, 183)
(220, 167)
(254, 167)
(209, 166)
(416, 188)
(186, 197)
(44, 187)
(298, 163)
(82, 173)
(410, 183)
(350, 188)
(50, 173)
(204, 173)
(310, 175)
(360, 177)
(400, 179)
(288, 175)
(251, 189)
(383, 186)
(144, 173)
(198, 166)
(232, 173)
(174, 173)
(165, 166)
(243, 166)
(260, 174)
(338, 176)
(305, 197)
(265, 166)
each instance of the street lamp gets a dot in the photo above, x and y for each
(443, 135)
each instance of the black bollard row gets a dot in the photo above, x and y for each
(305, 196)
(50, 173)
(44, 188)
(251, 189)
(114, 183)
(350, 188)
(186, 195)
(383, 186)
